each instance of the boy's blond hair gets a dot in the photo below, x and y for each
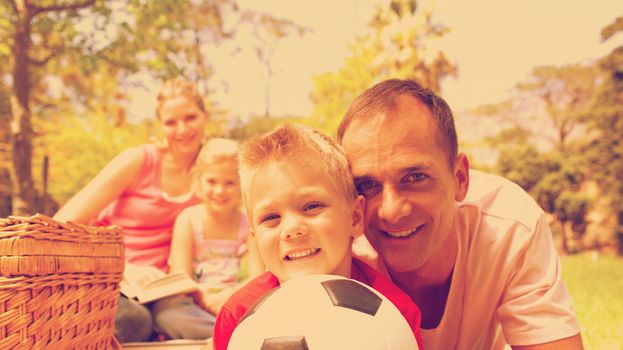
(301, 143)
(214, 152)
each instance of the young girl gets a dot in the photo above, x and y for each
(209, 240)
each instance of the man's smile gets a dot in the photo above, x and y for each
(402, 233)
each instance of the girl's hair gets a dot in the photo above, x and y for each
(179, 87)
(293, 142)
(214, 152)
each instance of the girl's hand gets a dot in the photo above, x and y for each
(211, 301)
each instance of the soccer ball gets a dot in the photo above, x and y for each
(323, 312)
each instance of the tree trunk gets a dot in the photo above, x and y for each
(45, 197)
(23, 198)
(619, 232)
(563, 237)
(267, 91)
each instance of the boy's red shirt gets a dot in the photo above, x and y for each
(240, 302)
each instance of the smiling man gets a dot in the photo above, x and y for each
(473, 250)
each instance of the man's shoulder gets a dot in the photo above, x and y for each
(498, 198)
(499, 216)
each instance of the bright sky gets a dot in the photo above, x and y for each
(495, 44)
(333, 26)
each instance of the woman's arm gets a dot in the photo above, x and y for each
(104, 188)
(180, 257)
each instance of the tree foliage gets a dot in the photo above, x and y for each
(80, 56)
(268, 31)
(259, 125)
(565, 94)
(33, 41)
(334, 91)
(606, 147)
(399, 44)
(522, 164)
(554, 180)
(79, 148)
(571, 98)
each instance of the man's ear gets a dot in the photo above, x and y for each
(358, 216)
(461, 177)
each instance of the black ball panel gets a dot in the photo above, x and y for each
(352, 295)
(285, 343)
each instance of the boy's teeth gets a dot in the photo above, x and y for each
(302, 253)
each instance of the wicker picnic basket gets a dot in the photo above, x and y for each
(59, 284)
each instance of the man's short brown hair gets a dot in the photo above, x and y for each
(382, 97)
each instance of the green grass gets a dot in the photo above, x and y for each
(596, 286)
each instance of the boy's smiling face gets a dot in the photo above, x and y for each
(301, 223)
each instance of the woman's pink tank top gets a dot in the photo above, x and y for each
(144, 215)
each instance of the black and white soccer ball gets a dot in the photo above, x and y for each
(323, 312)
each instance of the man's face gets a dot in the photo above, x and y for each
(404, 175)
(301, 223)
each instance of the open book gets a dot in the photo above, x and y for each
(147, 283)
(177, 344)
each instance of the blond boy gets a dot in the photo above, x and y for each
(304, 213)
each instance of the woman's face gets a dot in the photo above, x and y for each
(183, 124)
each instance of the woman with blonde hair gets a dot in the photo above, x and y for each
(142, 191)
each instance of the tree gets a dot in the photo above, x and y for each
(87, 44)
(566, 94)
(522, 164)
(5, 178)
(79, 148)
(558, 193)
(553, 180)
(259, 125)
(268, 32)
(334, 91)
(551, 106)
(27, 15)
(399, 44)
(539, 151)
(404, 34)
(606, 122)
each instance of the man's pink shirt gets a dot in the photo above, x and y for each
(506, 286)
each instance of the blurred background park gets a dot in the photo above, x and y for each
(536, 88)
